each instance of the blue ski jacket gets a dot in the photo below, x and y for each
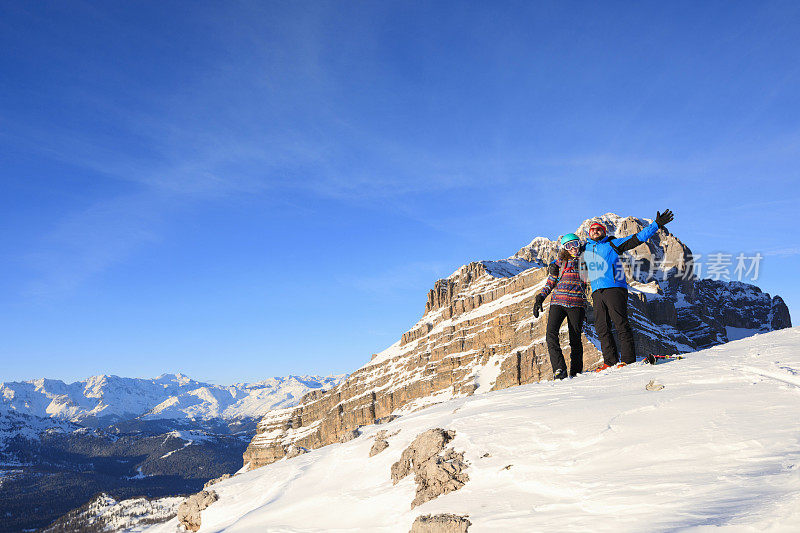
(604, 269)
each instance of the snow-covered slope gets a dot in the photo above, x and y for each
(717, 449)
(13, 424)
(104, 513)
(170, 396)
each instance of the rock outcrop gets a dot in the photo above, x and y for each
(294, 450)
(189, 511)
(440, 523)
(436, 471)
(350, 435)
(216, 480)
(380, 444)
(478, 333)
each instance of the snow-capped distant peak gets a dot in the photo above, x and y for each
(170, 396)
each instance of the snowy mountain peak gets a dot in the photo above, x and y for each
(543, 248)
(177, 378)
(172, 396)
(479, 333)
(610, 220)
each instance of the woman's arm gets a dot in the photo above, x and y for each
(552, 279)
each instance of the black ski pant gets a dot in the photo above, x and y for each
(611, 305)
(555, 318)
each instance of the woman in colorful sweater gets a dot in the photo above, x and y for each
(568, 285)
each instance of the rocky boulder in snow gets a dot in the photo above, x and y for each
(189, 511)
(381, 443)
(440, 523)
(436, 472)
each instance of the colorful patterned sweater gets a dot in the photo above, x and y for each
(570, 290)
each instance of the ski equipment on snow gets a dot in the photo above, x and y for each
(667, 356)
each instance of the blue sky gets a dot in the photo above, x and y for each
(237, 190)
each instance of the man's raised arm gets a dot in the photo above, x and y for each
(623, 244)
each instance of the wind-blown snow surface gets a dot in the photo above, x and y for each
(718, 449)
(170, 396)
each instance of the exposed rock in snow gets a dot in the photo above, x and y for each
(440, 523)
(190, 509)
(422, 448)
(439, 475)
(378, 447)
(217, 480)
(350, 435)
(294, 451)
(435, 473)
(381, 442)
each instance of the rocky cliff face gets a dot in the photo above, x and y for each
(478, 333)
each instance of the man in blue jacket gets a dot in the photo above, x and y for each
(609, 288)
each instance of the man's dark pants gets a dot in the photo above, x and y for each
(611, 305)
(555, 317)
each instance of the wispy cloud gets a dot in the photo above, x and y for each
(784, 252)
(87, 242)
(270, 121)
(398, 278)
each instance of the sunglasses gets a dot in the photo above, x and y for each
(572, 245)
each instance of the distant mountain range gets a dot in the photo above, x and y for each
(64, 443)
(103, 400)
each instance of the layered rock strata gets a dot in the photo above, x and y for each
(478, 333)
(441, 523)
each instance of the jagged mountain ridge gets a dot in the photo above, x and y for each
(169, 396)
(478, 333)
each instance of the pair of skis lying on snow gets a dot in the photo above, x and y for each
(650, 359)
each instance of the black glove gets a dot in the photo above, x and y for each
(537, 305)
(662, 219)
